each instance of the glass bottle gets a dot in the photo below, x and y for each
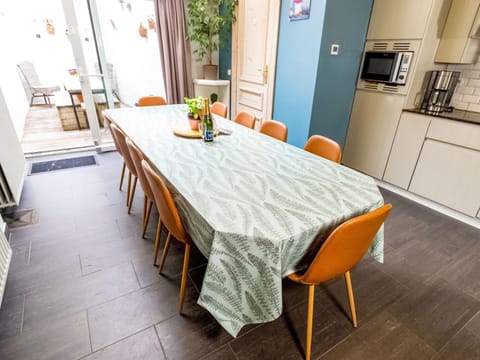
(207, 123)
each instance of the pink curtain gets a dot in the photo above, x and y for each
(174, 49)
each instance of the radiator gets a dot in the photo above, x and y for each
(6, 196)
(5, 257)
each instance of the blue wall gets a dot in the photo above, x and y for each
(346, 24)
(296, 73)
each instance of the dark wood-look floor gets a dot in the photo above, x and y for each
(82, 285)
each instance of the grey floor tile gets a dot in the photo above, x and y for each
(191, 335)
(133, 312)
(436, 312)
(383, 337)
(225, 353)
(141, 346)
(65, 338)
(463, 346)
(57, 300)
(11, 317)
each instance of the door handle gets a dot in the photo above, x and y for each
(265, 73)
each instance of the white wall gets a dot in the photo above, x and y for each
(11, 153)
(14, 93)
(467, 93)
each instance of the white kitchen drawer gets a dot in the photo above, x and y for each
(449, 175)
(455, 132)
(406, 148)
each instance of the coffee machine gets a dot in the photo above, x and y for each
(439, 89)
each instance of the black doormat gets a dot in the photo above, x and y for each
(61, 164)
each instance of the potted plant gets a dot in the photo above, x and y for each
(205, 25)
(151, 23)
(142, 31)
(195, 106)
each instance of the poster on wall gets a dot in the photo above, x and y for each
(299, 10)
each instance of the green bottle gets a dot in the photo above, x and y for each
(207, 123)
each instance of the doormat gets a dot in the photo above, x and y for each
(60, 164)
(21, 218)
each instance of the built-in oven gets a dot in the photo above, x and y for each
(386, 66)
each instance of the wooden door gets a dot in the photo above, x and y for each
(254, 52)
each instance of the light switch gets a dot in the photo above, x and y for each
(334, 49)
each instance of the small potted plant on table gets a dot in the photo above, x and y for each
(195, 106)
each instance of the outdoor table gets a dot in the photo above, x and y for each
(258, 209)
(72, 85)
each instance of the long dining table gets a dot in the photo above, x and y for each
(258, 209)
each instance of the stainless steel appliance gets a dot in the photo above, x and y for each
(386, 66)
(439, 89)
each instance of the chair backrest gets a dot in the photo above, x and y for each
(137, 157)
(122, 143)
(151, 101)
(219, 108)
(345, 246)
(27, 69)
(115, 141)
(245, 119)
(165, 204)
(324, 147)
(275, 129)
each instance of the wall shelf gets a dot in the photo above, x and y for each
(205, 87)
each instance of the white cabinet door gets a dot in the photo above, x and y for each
(406, 148)
(455, 132)
(449, 175)
(394, 19)
(373, 123)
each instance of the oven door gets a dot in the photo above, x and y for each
(380, 66)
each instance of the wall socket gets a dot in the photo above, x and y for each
(334, 49)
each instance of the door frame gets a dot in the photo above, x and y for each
(273, 28)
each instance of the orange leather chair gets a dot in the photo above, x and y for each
(121, 140)
(219, 109)
(342, 250)
(151, 101)
(137, 157)
(275, 129)
(117, 146)
(245, 119)
(324, 147)
(170, 218)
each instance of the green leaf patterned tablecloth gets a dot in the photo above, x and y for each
(257, 208)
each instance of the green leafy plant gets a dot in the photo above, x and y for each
(206, 22)
(213, 97)
(194, 105)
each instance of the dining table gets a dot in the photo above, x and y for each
(257, 208)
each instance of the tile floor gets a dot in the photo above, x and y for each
(82, 286)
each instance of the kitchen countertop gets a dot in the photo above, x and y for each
(458, 115)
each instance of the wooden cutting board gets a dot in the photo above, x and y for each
(189, 133)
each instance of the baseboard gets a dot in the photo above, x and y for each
(431, 204)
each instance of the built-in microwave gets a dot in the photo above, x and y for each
(386, 66)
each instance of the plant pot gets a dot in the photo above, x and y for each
(193, 122)
(210, 72)
(142, 32)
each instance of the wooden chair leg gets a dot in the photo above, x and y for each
(308, 341)
(122, 176)
(129, 183)
(157, 242)
(348, 282)
(165, 252)
(186, 258)
(144, 213)
(147, 218)
(132, 195)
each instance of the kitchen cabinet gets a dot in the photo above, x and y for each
(460, 40)
(406, 148)
(448, 174)
(393, 19)
(371, 131)
(455, 132)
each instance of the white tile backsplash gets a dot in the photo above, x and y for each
(467, 93)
